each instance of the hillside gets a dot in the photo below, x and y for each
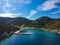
(14, 21)
(54, 24)
(8, 25)
(51, 24)
(7, 30)
(43, 21)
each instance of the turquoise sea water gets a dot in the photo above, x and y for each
(32, 37)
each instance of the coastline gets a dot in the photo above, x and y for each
(49, 30)
(18, 31)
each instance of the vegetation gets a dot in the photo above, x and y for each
(9, 25)
(7, 30)
(47, 23)
(54, 25)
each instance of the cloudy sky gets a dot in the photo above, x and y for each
(31, 9)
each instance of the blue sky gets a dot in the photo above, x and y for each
(30, 9)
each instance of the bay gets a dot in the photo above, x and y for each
(32, 37)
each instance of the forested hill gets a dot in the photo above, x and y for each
(43, 21)
(14, 21)
(47, 23)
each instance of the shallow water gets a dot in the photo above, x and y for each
(36, 37)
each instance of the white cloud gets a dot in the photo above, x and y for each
(12, 15)
(7, 15)
(56, 12)
(7, 5)
(7, 12)
(32, 12)
(47, 5)
(23, 1)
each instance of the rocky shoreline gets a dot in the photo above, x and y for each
(4, 35)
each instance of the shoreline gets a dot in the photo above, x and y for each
(49, 30)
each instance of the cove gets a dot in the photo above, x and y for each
(32, 37)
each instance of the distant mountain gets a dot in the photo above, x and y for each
(15, 21)
(43, 21)
(40, 22)
(43, 18)
(19, 21)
